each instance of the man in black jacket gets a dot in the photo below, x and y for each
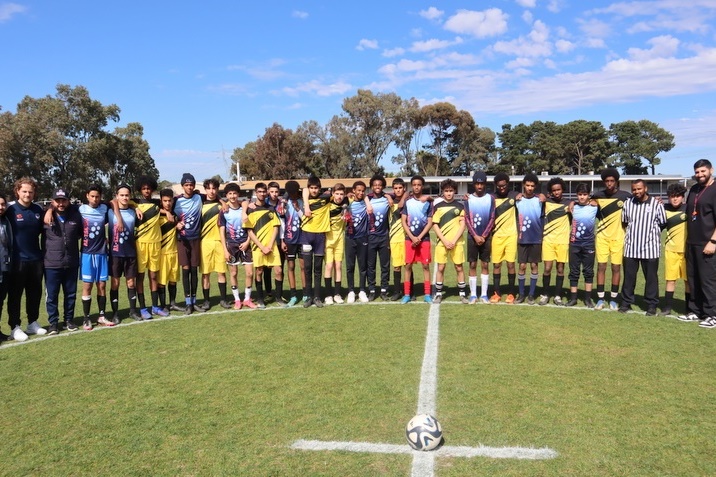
(60, 245)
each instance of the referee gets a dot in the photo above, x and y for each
(643, 216)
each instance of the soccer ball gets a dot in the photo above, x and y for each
(423, 432)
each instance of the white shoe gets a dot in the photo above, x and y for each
(362, 297)
(18, 335)
(34, 328)
(338, 299)
(328, 300)
(351, 298)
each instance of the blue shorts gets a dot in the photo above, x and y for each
(94, 267)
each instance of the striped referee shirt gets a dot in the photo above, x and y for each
(643, 228)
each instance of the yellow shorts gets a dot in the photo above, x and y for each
(397, 254)
(148, 255)
(212, 257)
(335, 247)
(674, 265)
(609, 251)
(272, 259)
(504, 249)
(555, 251)
(456, 255)
(168, 268)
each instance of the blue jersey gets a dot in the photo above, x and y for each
(188, 210)
(232, 221)
(122, 244)
(418, 213)
(94, 238)
(294, 211)
(530, 222)
(357, 226)
(379, 218)
(584, 220)
(480, 214)
(27, 225)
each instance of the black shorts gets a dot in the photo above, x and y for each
(189, 252)
(529, 253)
(482, 252)
(313, 243)
(292, 249)
(238, 256)
(126, 266)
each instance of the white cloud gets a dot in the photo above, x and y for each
(536, 43)
(433, 44)
(266, 71)
(527, 3)
(9, 10)
(402, 66)
(389, 53)
(366, 44)
(299, 14)
(230, 89)
(527, 17)
(480, 24)
(519, 63)
(664, 46)
(318, 88)
(564, 46)
(431, 13)
(555, 6)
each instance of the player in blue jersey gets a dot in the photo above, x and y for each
(581, 245)
(187, 208)
(291, 242)
(378, 237)
(480, 219)
(530, 229)
(122, 253)
(417, 221)
(357, 243)
(237, 247)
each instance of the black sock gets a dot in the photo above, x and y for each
(511, 282)
(397, 284)
(101, 303)
(668, 299)
(559, 283)
(87, 307)
(140, 298)
(337, 288)
(172, 292)
(496, 279)
(155, 298)
(132, 296)
(222, 291)
(205, 292)
(114, 300)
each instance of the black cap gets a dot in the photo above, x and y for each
(60, 194)
(479, 176)
(187, 178)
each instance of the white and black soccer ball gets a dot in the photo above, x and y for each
(423, 432)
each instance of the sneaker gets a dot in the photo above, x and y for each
(87, 324)
(709, 322)
(328, 300)
(510, 299)
(464, 300)
(396, 296)
(292, 302)
(558, 301)
(371, 295)
(530, 300)
(260, 304)
(405, 299)
(337, 299)
(688, 317)
(623, 308)
(237, 304)
(588, 302)
(495, 298)
(485, 300)
(70, 326)
(249, 304)
(159, 312)
(666, 311)
(317, 301)
(428, 299)
(175, 307)
(543, 299)
(363, 298)
(351, 298)
(571, 302)
(102, 320)
(384, 295)
(144, 313)
(516, 300)
(18, 335)
(52, 330)
(206, 306)
(613, 305)
(651, 312)
(472, 300)
(34, 328)
(437, 300)
(227, 305)
(599, 305)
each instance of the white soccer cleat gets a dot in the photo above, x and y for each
(362, 297)
(34, 328)
(337, 299)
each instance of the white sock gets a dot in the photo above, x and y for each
(473, 285)
(484, 279)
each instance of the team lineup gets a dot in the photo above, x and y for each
(190, 237)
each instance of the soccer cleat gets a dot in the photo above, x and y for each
(599, 305)
(396, 296)
(159, 312)
(17, 334)
(328, 300)
(351, 298)
(306, 298)
(70, 326)
(384, 295)
(362, 297)
(248, 303)
(510, 299)
(102, 320)
(337, 299)
(280, 301)
(206, 306)
(87, 324)
(543, 299)
(516, 300)
(189, 310)
(144, 313)
(135, 315)
(260, 304)
(495, 298)
(307, 303)
(174, 307)
(237, 304)
(484, 299)
(317, 301)
(405, 299)
(558, 300)
(52, 330)
(588, 302)
(464, 300)
(530, 300)
(437, 300)
(651, 312)
(292, 302)
(623, 308)
(613, 305)
(472, 300)
(709, 322)
(688, 317)
(428, 299)
(371, 295)
(571, 302)
(666, 311)
(225, 304)
(34, 328)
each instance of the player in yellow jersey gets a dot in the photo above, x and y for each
(675, 245)
(212, 251)
(168, 275)
(316, 221)
(504, 237)
(555, 243)
(449, 227)
(335, 245)
(397, 236)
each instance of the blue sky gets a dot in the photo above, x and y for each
(202, 76)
